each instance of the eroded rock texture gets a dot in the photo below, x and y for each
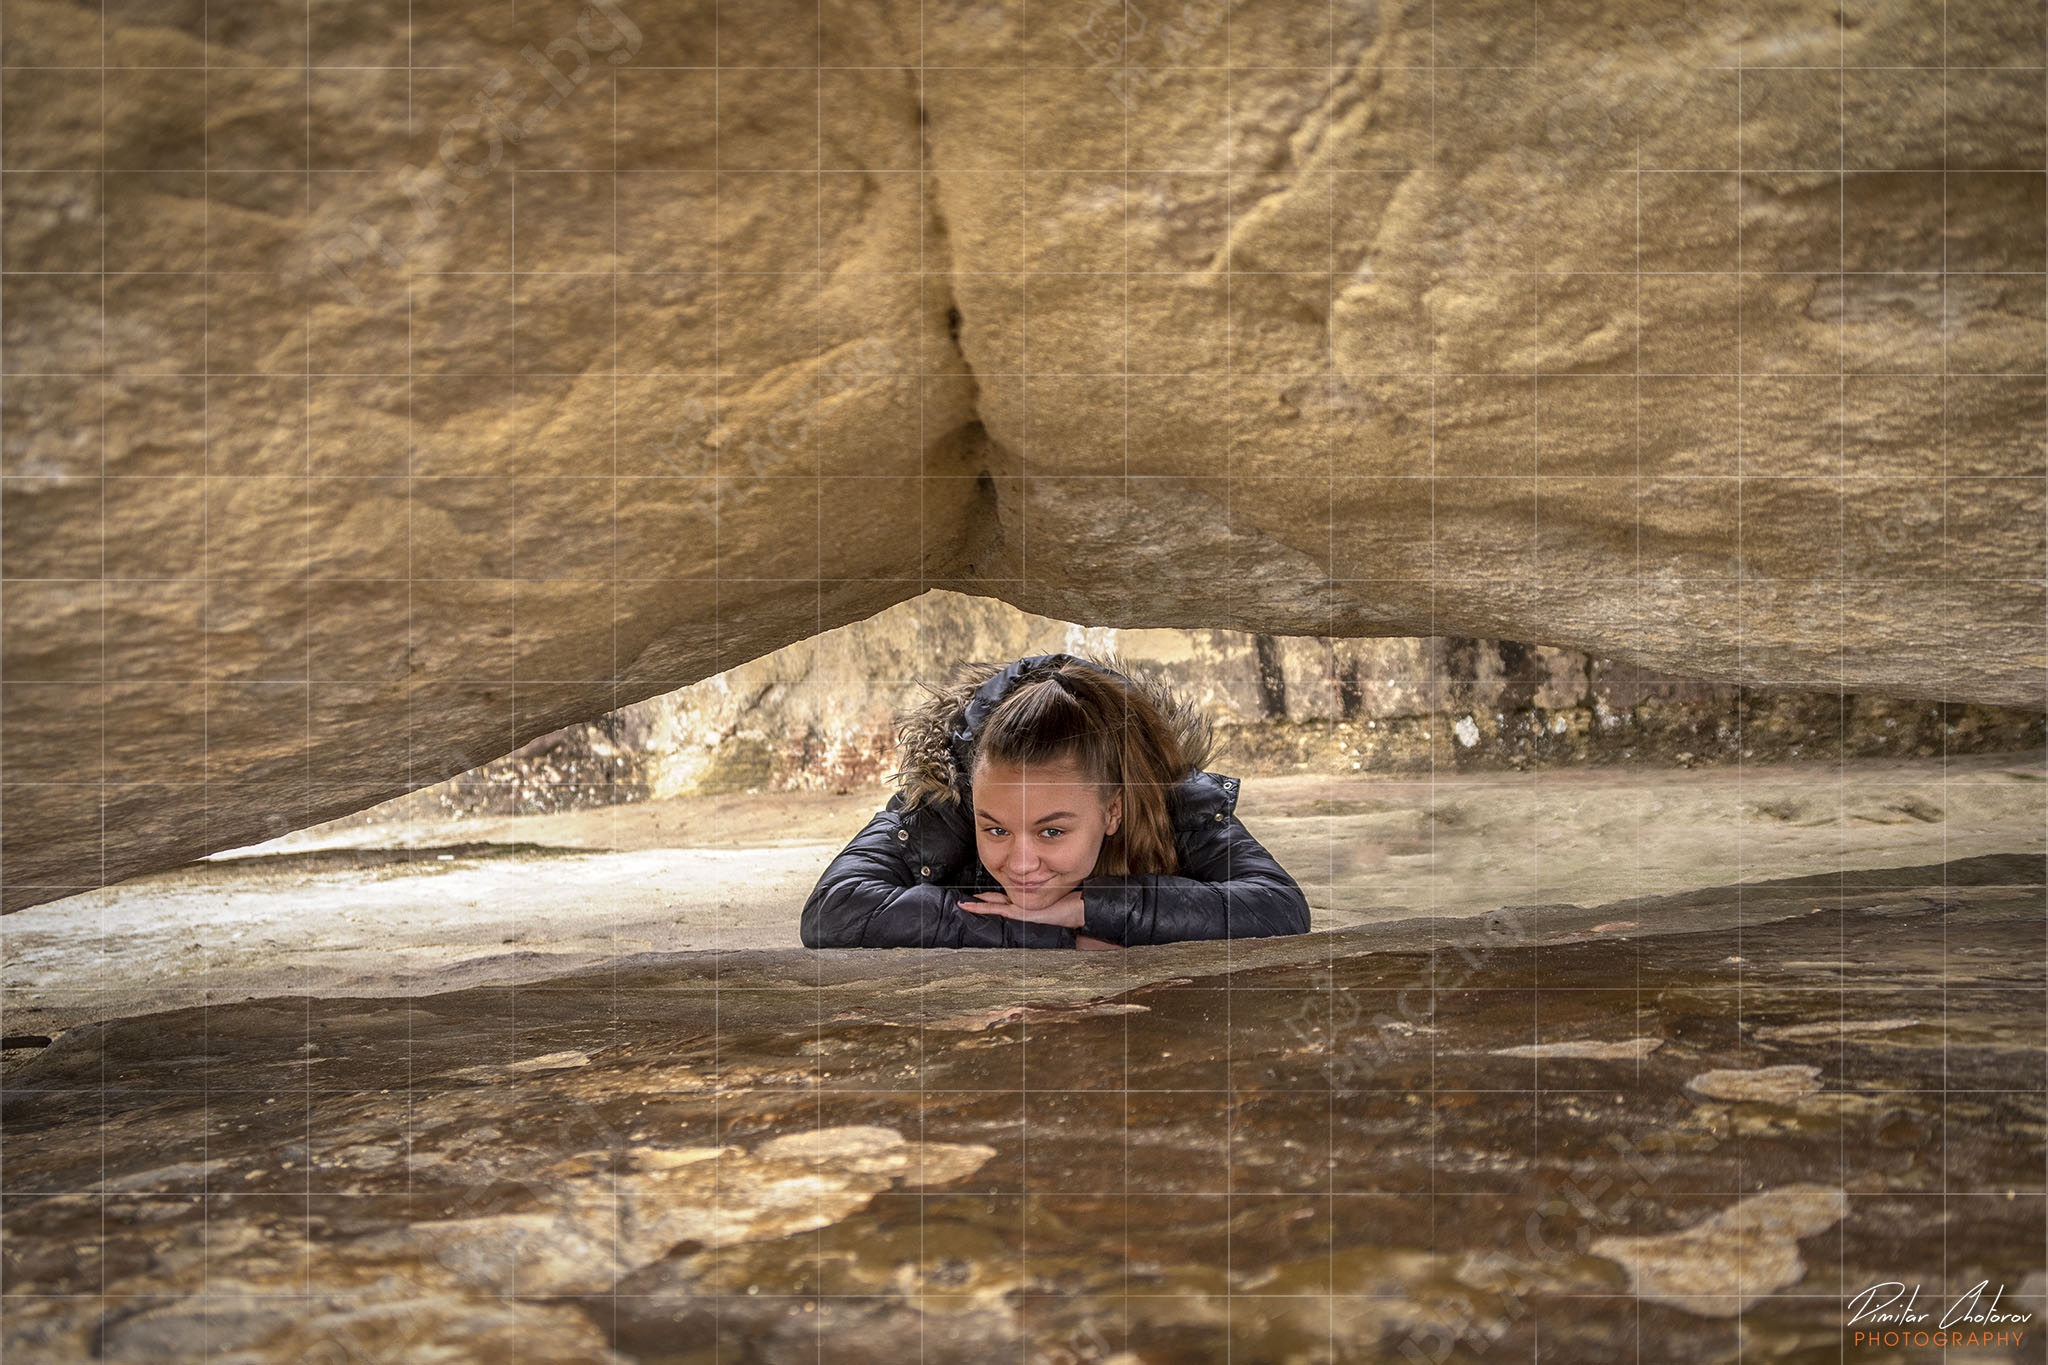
(458, 373)
(1385, 1144)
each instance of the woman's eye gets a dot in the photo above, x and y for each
(1052, 831)
(995, 831)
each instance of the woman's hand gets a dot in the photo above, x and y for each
(1066, 912)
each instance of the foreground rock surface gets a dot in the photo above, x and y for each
(433, 906)
(380, 370)
(1318, 1149)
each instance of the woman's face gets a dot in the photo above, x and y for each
(1038, 830)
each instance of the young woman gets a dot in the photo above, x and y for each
(1054, 802)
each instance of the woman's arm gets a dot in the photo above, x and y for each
(1234, 889)
(870, 897)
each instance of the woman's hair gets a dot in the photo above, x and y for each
(1118, 737)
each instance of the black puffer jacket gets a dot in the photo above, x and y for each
(900, 882)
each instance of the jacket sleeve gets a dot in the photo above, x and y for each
(1235, 889)
(870, 897)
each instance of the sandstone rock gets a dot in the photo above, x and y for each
(1315, 322)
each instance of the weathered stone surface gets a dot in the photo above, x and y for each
(346, 477)
(438, 906)
(1308, 1149)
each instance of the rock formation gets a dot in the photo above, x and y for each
(380, 393)
(1298, 1148)
(792, 721)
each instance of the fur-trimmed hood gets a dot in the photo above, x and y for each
(931, 737)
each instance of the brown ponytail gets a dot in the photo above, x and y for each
(1116, 736)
